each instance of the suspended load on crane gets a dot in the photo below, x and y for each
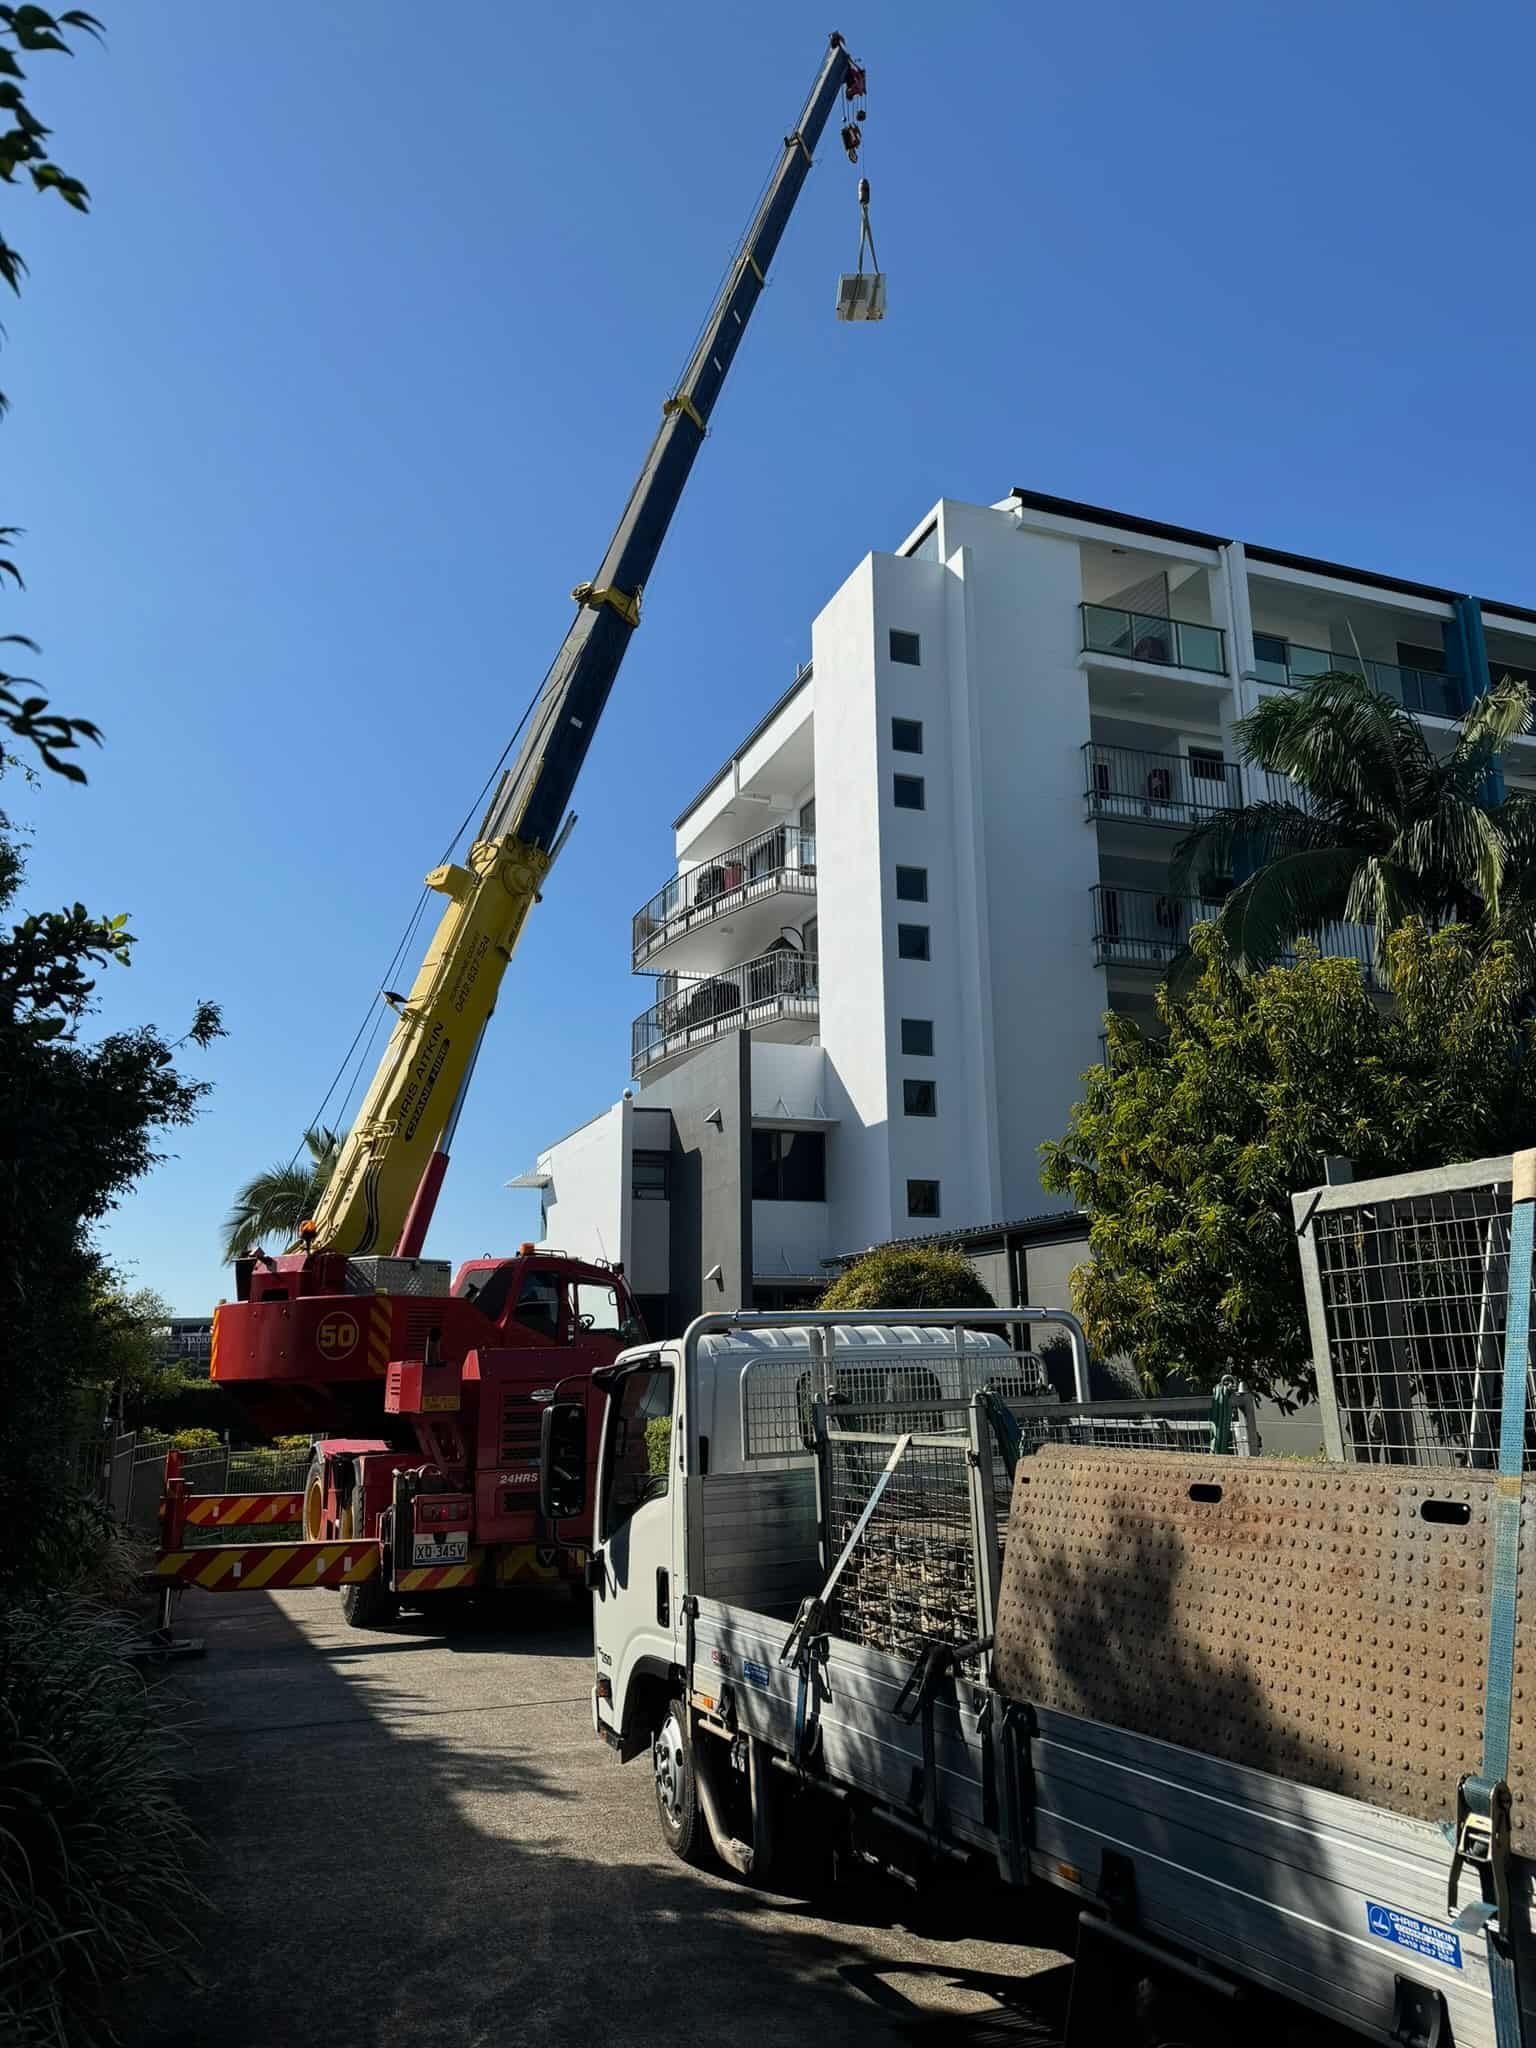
(861, 293)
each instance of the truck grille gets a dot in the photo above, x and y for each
(420, 1321)
(521, 1425)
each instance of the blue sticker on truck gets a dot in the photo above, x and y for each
(1436, 1944)
(755, 1674)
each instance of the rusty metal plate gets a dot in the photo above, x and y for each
(1310, 1620)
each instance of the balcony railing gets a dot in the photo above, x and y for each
(1418, 689)
(775, 986)
(1158, 789)
(780, 860)
(1139, 928)
(1146, 636)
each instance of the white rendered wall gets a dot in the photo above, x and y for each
(1038, 855)
(1010, 986)
(589, 1186)
(789, 1237)
(788, 1081)
(848, 898)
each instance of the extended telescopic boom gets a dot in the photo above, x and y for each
(381, 1195)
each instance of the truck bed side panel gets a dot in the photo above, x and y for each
(863, 1744)
(1324, 1624)
(1272, 1879)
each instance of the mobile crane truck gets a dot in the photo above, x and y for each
(429, 1486)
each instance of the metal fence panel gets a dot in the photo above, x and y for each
(912, 1578)
(1407, 1282)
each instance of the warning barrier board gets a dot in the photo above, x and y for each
(248, 1567)
(441, 1578)
(226, 1509)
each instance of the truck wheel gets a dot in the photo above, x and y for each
(314, 1503)
(677, 1790)
(369, 1604)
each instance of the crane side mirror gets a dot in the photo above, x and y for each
(563, 1461)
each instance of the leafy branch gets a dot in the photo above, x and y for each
(24, 149)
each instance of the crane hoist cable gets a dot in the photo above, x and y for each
(368, 1029)
(866, 236)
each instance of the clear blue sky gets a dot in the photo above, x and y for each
(322, 411)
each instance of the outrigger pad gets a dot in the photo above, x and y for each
(1325, 1623)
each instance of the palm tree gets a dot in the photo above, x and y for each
(1381, 828)
(273, 1204)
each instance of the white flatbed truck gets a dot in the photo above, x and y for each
(1161, 1678)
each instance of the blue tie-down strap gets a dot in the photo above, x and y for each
(1483, 1802)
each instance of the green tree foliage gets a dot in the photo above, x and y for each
(134, 1329)
(1185, 1150)
(82, 1122)
(26, 31)
(1380, 829)
(269, 1208)
(908, 1276)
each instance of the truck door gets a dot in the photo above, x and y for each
(635, 1615)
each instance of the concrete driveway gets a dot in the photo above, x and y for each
(418, 1840)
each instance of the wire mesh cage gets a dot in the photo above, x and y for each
(897, 1385)
(912, 1577)
(1408, 1286)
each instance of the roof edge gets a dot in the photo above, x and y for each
(1122, 522)
(802, 677)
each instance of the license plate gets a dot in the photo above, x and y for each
(440, 1549)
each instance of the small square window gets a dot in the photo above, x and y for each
(907, 792)
(912, 941)
(922, 1198)
(907, 648)
(907, 735)
(912, 885)
(917, 1037)
(919, 1098)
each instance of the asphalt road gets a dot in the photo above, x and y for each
(418, 1840)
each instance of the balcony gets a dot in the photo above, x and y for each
(1139, 928)
(1146, 636)
(1417, 689)
(775, 994)
(746, 885)
(1157, 789)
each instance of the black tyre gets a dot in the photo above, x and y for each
(369, 1604)
(677, 1789)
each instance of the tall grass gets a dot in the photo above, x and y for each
(93, 1848)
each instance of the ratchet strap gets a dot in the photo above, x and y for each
(1483, 1798)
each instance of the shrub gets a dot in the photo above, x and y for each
(92, 1844)
(910, 1276)
(195, 1440)
(291, 1443)
(658, 1445)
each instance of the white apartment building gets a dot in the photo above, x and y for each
(900, 910)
